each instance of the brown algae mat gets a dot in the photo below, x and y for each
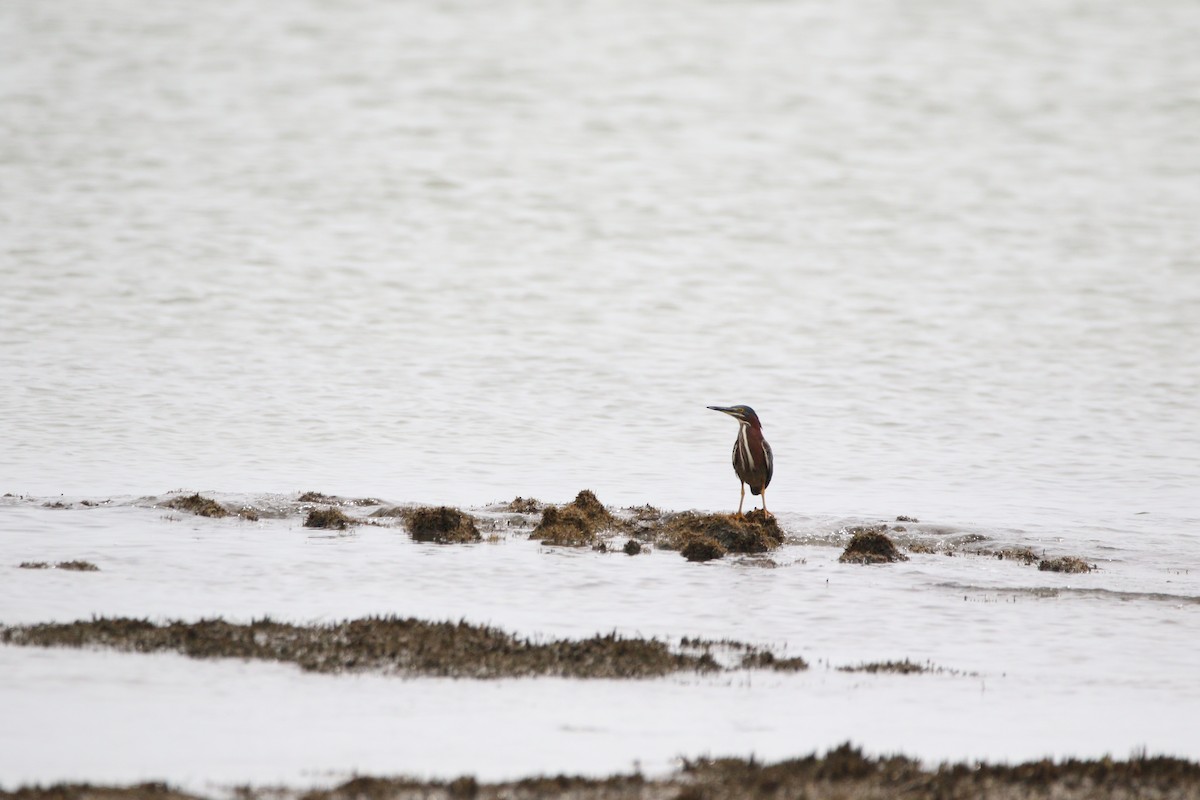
(871, 545)
(398, 646)
(844, 773)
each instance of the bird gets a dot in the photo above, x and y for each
(752, 458)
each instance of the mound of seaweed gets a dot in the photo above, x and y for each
(577, 524)
(1069, 564)
(441, 524)
(328, 518)
(870, 545)
(703, 537)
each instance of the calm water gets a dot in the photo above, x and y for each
(456, 252)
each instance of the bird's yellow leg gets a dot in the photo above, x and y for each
(741, 499)
(764, 498)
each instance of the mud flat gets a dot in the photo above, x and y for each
(844, 773)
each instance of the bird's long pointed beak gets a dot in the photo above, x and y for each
(725, 410)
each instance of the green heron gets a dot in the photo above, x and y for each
(752, 459)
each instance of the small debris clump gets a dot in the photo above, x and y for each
(870, 546)
(1068, 564)
(199, 505)
(316, 497)
(441, 524)
(78, 566)
(328, 518)
(765, 659)
(904, 667)
(632, 547)
(524, 505)
(1023, 554)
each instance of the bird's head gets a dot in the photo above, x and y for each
(743, 414)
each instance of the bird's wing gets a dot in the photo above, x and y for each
(770, 463)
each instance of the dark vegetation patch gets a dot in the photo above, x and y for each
(441, 524)
(870, 545)
(1023, 554)
(702, 537)
(203, 506)
(334, 500)
(1065, 564)
(384, 644)
(577, 524)
(328, 518)
(765, 659)
(35, 565)
(904, 518)
(844, 773)
(632, 547)
(199, 505)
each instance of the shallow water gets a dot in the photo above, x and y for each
(1032, 663)
(459, 252)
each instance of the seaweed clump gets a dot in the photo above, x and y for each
(577, 524)
(74, 566)
(1065, 564)
(904, 667)
(765, 659)
(78, 566)
(1023, 554)
(524, 505)
(441, 524)
(870, 545)
(703, 537)
(199, 505)
(327, 518)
